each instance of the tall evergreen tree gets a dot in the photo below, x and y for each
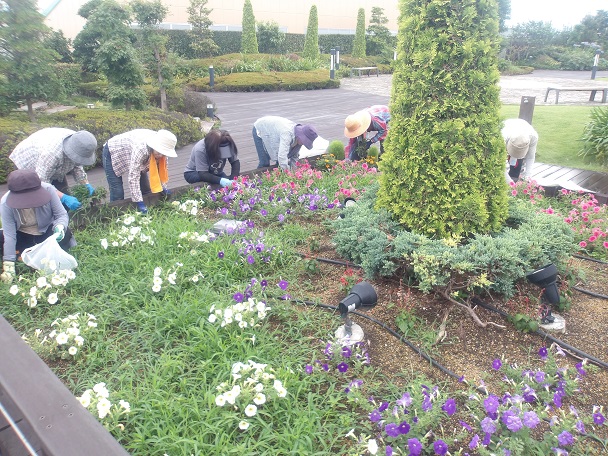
(149, 15)
(249, 40)
(443, 169)
(359, 41)
(202, 38)
(25, 62)
(379, 39)
(311, 44)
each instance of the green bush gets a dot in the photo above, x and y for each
(336, 148)
(103, 124)
(69, 77)
(95, 89)
(311, 44)
(595, 137)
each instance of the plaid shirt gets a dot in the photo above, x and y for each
(130, 155)
(43, 152)
(380, 119)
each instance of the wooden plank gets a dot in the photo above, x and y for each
(547, 172)
(61, 425)
(590, 182)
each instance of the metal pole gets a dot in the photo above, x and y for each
(332, 62)
(596, 62)
(526, 108)
(211, 76)
(337, 57)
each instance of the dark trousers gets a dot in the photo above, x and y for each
(515, 171)
(117, 191)
(25, 240)
(192, 177)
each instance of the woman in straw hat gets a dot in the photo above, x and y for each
(31, 212)
(55, 152)
(376, 119)
(141, 155)
(520, 139)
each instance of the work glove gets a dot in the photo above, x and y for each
(225, 182)
(91, 189)
(59, 230)
(71, 202)
(142, 207)
(8, 271)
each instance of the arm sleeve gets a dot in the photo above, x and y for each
(349, 146)
(206, 176)
(137, 162)
(60, 215)
(235, 169)
(9, 229)
(530, 157)
(285, 142)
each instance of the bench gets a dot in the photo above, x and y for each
(593, 91)
(360, 69)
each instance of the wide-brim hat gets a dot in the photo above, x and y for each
(80, 147)
(356, 124)
(306, 134)
(517, 146)
(25, 190)
(163, 142)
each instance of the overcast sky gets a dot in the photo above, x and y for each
(564, 13)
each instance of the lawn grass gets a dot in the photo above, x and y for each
(560, 129)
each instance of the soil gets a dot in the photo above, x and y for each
(467, 349)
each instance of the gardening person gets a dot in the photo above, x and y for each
(55, 152)
(31, 212)
(137, 153)
(373, 119)
(280, 140)
(208, 158)
(520, 139)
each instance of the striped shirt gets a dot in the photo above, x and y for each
(380, 119)
(43, 152)
(130, 155)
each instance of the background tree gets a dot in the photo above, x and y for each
(249, 40)
(592, 29)
(379, 38)
(529, 40)
(26, 62)
(443, 169)
(114, 54)
(359, 41)
(202, 38)
(270, 37)
(311, 44)
(149, 15)
(504, 14)
(61, 45)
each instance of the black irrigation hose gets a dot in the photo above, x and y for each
(595, 260)
(330, 261)
(544, 335)
(590, 293)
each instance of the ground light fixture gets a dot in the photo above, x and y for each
(348, 202)
(545, 278)
(362, 295)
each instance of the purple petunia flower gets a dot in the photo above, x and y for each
(491, 403)
(405, 401)
(440, 447)
(560, 452)
(557, 399)
(543, 352)
(426, 404)
(404, 428)
(539, 377)
(264, 283)
(238, 297)
(281, 217)
(389, 450)
(220, 254)
(347, 352)
(392, 430)
(487, 425)
(449, 407)
(283, 285)
(466, 426)
(383, 406)
(496, 364)
(579, 367)
(250, 259)
(264, 212)
(325, 367)
(531, 419)
(474, 442)
(375, 416)
(512, 421)
(580, 427)
(598, 418)
(342, 367)
(565, 439)
(414, 446)
(487, 438)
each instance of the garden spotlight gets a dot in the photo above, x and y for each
(362, 294)
(545, 278)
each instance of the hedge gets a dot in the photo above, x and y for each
(104, 124)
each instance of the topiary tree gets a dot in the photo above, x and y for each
(359, 41)
(202, 37)
(249, 40)
(443, 169)
(311, 45)
(379, 39)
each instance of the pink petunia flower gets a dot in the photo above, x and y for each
(582, 244)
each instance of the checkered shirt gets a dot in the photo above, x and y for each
(130, 156)
(43, 152)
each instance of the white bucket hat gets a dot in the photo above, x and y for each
(80, 148)
(163, 142)
(517, 146)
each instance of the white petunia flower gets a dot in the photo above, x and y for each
(259, 399)
(243, 425)
(220, 400)
(91, 324)
(14, 290)
(251, 410)
(85, 399)
(157, 271)
(156, 288)
(103, 407)
(72, 350)
(125, 405)
(212, 318)
(52, 299)
(41, 282)
(62, 338)
(104, 244)
(78, 340)
(372, 446)
(33, 291)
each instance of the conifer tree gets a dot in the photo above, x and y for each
(359, 41)
(443, 169)
(311, 45)
(249, 40)
(202, 38)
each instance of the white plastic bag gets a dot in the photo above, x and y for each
(48, 256)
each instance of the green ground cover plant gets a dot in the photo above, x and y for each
(194, 342)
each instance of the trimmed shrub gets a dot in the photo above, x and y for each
(359, 42)
(249, 41)
(311, 45)
(336, 148)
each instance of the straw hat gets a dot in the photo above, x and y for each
(80, 148)
(163, 142)
(517, 146)
(357, 124)
(25, 190)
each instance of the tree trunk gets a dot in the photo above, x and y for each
(163, 91)
(30, 109)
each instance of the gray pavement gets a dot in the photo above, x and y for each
(326, 110)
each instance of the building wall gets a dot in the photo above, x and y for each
(291, 15)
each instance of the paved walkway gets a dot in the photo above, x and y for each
(326, 110)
